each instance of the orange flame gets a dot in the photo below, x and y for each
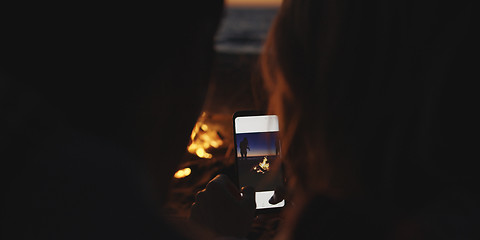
(262, 167)
(203, 138)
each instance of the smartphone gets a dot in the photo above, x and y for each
(257, 156)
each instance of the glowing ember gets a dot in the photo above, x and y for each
(182, 173)
(203, 138)
(262, 167)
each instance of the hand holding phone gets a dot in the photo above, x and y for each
(223, 209)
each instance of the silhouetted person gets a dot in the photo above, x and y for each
(376, 102)
(244, 147)
(90, 96)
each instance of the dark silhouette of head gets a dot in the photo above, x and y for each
(120, 71)
(127, 75)
(374, 99)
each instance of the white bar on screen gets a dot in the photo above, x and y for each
(252, 124)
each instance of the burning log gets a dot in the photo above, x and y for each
(262, 167)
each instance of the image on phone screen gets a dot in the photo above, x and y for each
(258, 156)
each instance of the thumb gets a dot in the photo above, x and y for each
(278, 196)
(248, 199)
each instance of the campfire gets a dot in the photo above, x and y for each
(203, 138)
(262, 166)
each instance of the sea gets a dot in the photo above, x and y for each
(244, 30)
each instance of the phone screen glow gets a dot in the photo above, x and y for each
(258, 152)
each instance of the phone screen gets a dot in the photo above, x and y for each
(258, 156)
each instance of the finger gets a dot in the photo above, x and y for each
(217, 182)
(248, 198)
(200, 196)
(224, 179)
(222, 185)
(214, 185)
(278, 196)
(232, 188)
(220, 178)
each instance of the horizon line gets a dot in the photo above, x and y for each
(252, 3)
(273, 155)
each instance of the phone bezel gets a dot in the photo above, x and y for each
(237, 180)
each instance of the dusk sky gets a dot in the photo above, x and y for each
(253, 3)
(261, 144)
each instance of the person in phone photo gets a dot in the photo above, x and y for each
(244, 147)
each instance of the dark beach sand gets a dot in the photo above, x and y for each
(261, 182)
(231, 89)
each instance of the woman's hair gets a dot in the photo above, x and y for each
(371, 95)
